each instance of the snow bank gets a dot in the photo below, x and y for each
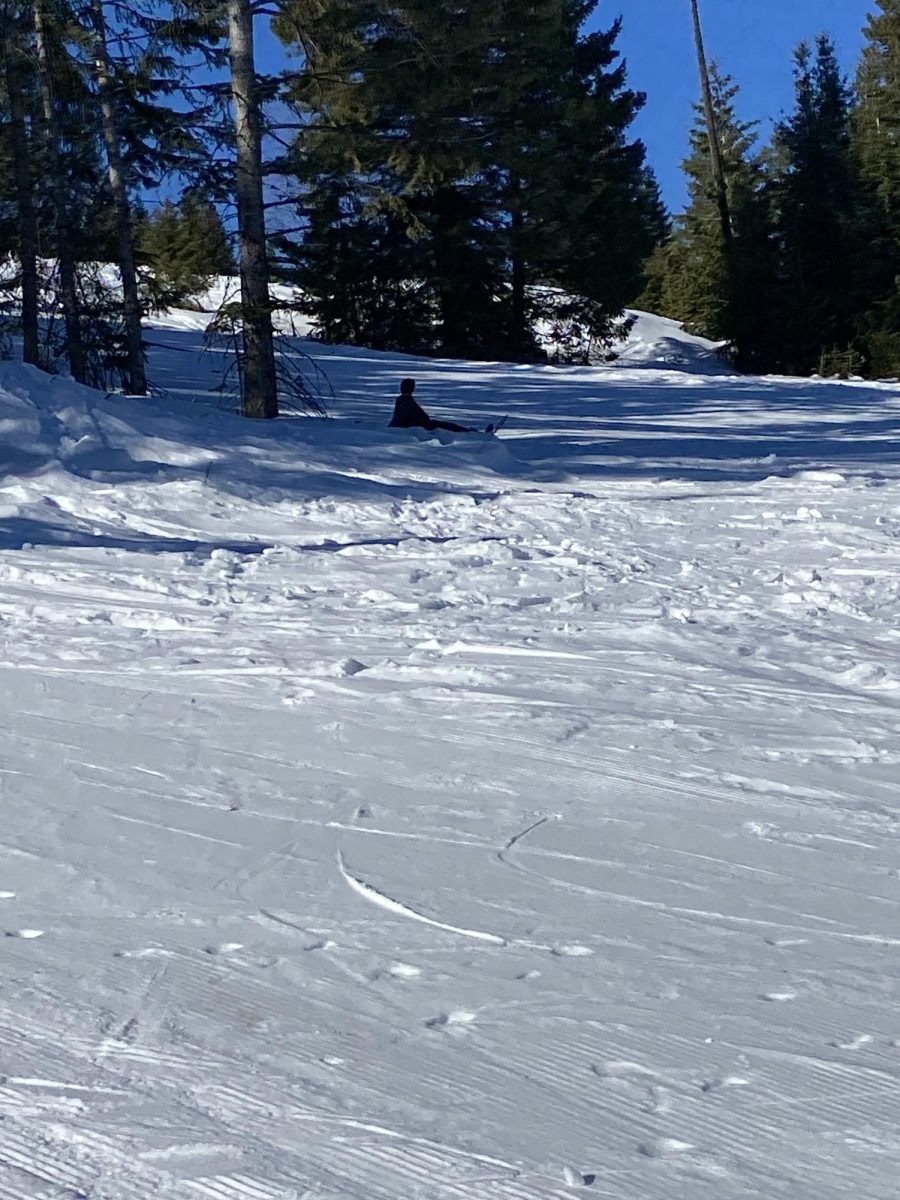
(660, 342)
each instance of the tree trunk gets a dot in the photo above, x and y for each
(24, 185)
(454, 299)
(68, 280)
(715, 146)
(136, 375)
(259, 384)
(520, 332)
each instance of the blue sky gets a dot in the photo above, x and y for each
(753, 40)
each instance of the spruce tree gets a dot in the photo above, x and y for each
(720, 290)
(831, 253)
(483, 149)
(877, 140)
(877, 116)
(394, 144)
(185, 246)
(20, 157)
(580, 208)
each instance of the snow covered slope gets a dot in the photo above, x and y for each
(396, 819)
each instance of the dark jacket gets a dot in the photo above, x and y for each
(409, 414)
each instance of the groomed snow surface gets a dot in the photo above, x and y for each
(390, 818)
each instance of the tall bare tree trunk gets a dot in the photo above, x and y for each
(136, 375)
(519, 280)
(26, 219)
(259, 384)
(68, 280)
(712, 128)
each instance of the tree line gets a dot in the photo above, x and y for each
(806, 276)
(445, 178)
(434, 177)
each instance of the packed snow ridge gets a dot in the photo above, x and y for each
(404, 817)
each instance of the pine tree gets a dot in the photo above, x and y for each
(395, 146)
(491, 137)
(14, 52)
(877, 116)
(877, 140)
(135, 373)
(53, 76)
(86, 90)
(581, 208)
(713, 137)
(185, 246)
(831, 252)
(721, 291)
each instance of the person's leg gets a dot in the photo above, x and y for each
(450, 427)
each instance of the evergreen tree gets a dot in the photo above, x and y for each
(396, 143)
(581, 208)
(877, 139)
(134, 52)
(135, 376)
(877, 116)
(483, 149)
(23, 238)
(60, 97)
(258, 376)
(185, 246)
(721, 291)
(88, 92)
(831, 251)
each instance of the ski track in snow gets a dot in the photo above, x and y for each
(402, 910)
(614, 701)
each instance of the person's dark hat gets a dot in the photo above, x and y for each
(407, 386)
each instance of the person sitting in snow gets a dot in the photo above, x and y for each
(409, 414)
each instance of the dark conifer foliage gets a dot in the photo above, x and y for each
(95, 120)
(720, 290)
(184, 246)
(876, 130)
(808, 280)
(480, 151)
(877, 117)
(21, 233)
(830, 244)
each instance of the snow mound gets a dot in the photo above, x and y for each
(661, 342)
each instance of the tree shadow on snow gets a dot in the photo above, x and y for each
(21, 533)
(567, 424)
(664, 423)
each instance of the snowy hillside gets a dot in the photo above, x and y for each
(389, 818)
(651, 340)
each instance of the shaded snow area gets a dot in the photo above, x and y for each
(390, 818)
